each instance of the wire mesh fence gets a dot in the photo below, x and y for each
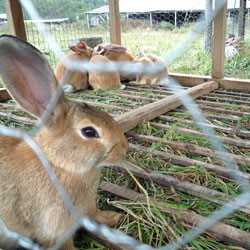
(158, 32)
(66, 24)
(66, 212)
(237, 49)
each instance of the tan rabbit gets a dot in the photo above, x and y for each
(102, 79)
(149, 78)
(77, 140)
(117, 53)
(78, 80)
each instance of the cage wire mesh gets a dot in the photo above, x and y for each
(237, 40)
(157, 32)
(168, 35)
(67, 22)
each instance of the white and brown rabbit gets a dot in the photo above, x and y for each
(119, 54)
(77, 140)
(103, 80)
(154, 64)
(74, 80)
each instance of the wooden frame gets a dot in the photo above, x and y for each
(218, 51)
(226, 82)
(15, 18)
(200, 86)
(189, 80)
(115, 22)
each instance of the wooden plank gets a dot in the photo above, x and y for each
(226, 83)
(15, 19)
(115, 22)
(218, 51)
(4, 95)
(168, 181)
(187, 162)
(220, 231)
(235, 84)
(148, 112)
(190, 80)
(189, 148)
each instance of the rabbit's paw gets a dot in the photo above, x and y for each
(109, 218)
(69, 245)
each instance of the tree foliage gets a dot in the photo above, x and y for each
(61, 8)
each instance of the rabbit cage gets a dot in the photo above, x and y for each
(184, 184)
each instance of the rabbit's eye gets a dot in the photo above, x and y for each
(89, 132)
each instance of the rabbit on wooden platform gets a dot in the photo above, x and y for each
(74, 80)
(118, 54)
(154, 67)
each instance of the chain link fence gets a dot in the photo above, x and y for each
(178, 38)
(158, 33)
(237, 49)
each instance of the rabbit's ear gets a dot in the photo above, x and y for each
(26, 74)
(100, 50)
(79, 47)
(82, 45)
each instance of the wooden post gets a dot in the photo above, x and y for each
(151, 19)
(115, 22)
(209, 26)
(175, 18)
(218, 51)
(242, 19)
(15, 19)
(87, 20)
(127, 21)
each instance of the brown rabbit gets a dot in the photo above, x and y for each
(151, 78)
(77, 140)
(78, 80)
(103, 80)
(116, 53)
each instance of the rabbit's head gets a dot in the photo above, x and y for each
(75, 137)
(81, 48)
(109, 48)
(99, 50)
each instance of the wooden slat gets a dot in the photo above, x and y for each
(218, 51)
(15, 19)
(221, 231)
(148, 112)
(235, 84)
(190, 80)
(115, 23)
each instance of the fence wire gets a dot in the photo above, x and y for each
(50, 41)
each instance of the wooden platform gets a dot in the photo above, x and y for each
(172, 155)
